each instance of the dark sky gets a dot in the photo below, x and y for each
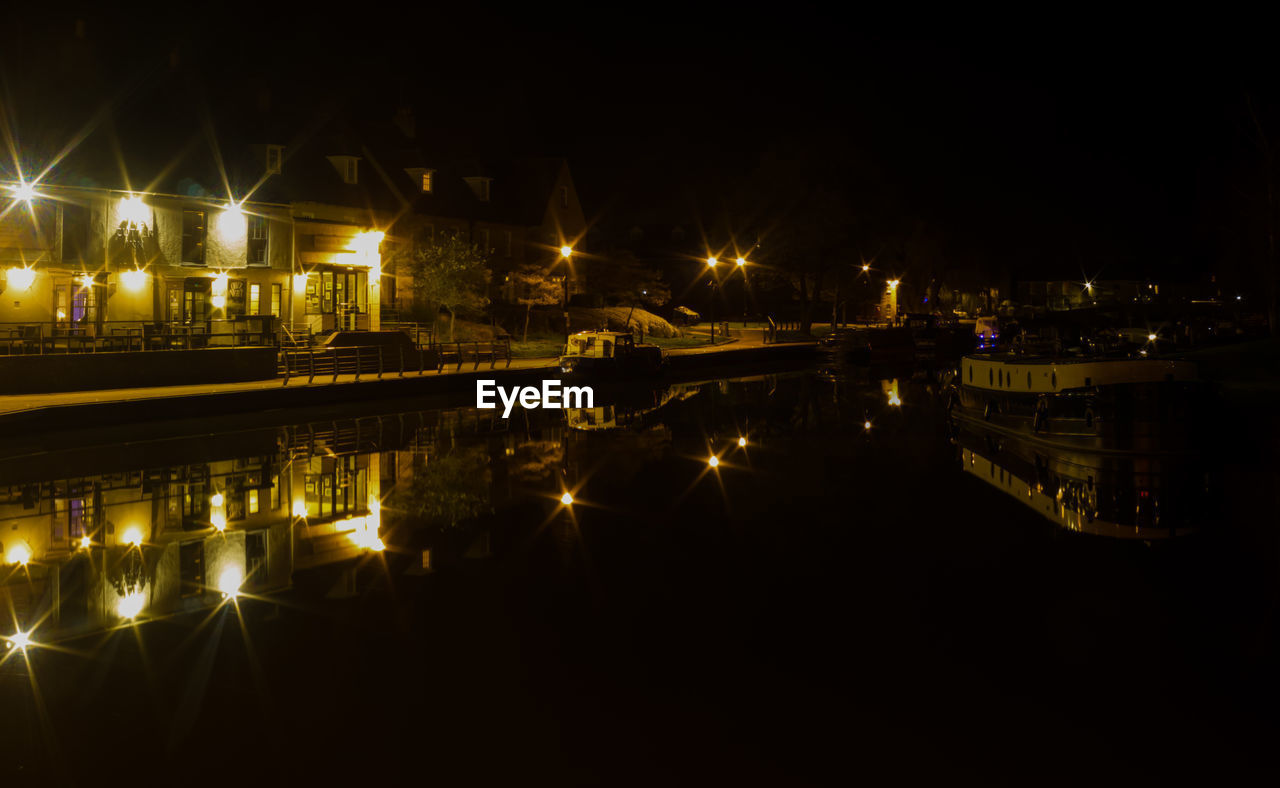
(1023, 140)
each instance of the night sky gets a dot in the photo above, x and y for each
(1054, 149)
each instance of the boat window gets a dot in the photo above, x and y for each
(990, 377)
(607, 352)
(1028, 380)
(971, 374)
(1053, 378)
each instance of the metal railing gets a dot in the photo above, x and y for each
(118, 336)
(376, 361)
(461, 352)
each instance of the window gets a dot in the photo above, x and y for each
(274, 155)
(253, 299)
(427, 177)
(255, 557)
(275, 299)
(193, 236)
(253, 496)
(191, 567)
(257, 246)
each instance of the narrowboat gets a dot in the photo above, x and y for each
(1113, 404)
(875, 345)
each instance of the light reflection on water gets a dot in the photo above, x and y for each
(233, 532)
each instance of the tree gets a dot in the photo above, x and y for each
(624, 280)
(451, 274)
(534, 287)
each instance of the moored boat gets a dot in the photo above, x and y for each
(1113, 404)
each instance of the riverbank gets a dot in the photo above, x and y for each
(40, 414)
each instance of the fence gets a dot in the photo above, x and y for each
(116, 336)
(379, 360)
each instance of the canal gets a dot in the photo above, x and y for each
(851, 589)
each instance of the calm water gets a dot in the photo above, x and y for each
(830, 602)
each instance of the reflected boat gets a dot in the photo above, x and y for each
(1121, 496)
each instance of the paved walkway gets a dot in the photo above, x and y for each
(14, 403)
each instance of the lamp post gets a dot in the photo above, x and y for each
(711, 263)
(893, 301)
(742, 266)
(566, 252)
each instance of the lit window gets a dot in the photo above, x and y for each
(427, 177)
(275, 299)
(254, 291)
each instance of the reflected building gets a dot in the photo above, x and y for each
(86, 550)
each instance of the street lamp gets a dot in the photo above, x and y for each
(742, 266)
(893, 300)
(711, 264)
(566, 253)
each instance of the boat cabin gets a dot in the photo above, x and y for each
(600, 344)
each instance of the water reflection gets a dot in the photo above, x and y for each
(834, 496)
(1122, 496)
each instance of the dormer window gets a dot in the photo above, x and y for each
(347, 167)
(275, 156)
(424, 178)
(480, 186)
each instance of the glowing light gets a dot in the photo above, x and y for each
(742, 441)
(218, 521)
(219, 287)
(566, 499)
(711, 262)
(865, 268)
(714, 461)
(232, 223)
(1151, 337)
(85, 543)
(219, 302)
(566, 252)
(217, 499)
(134, 280)
(366, 245)
(742, 261)
(19, 554)
(299, 508)
(1088, 286)
(130, 605)
(866, 425)
(893, 284)
(133, 211)
(24, 191)
(299, 282)
(132, 536)
(87, 281)
(20, 278)
(20, 640)
(229, 581)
